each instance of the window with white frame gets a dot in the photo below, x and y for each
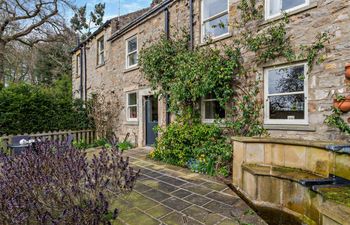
(100, 51)
(131, 109)
(286, 95)
(214, 18)
(274, 8)
(131, 52)
(211, 109)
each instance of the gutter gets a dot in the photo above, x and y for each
(140, 19)
(96, 32)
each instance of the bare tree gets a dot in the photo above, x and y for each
(29, 22)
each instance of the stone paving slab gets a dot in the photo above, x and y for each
(170, 195)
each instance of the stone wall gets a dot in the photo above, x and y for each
(272, 173)
(114, 81)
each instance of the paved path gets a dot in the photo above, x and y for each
(166, 194)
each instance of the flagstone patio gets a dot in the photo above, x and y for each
(166, 194)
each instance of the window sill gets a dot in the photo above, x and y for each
(98, 66)
(131, 123)
(289, 127)
(127, 70)
(213, 40)
(292, 13)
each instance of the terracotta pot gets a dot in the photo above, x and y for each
(343, 105)
(347, 71)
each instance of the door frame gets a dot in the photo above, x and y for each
(142, 95)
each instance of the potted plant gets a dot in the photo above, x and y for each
(347, 71)
(342, 103)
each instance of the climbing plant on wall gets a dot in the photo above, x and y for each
(229, 71)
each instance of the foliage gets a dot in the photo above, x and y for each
(271, 43)
(54, 184)
(313, 51)
(186, 76)
(102, 142)
(104, 113)
(228, 72)
(335, 120)
(28, 23)
(201, 147)
(82, 144)
(26, 108)
(82, 24)
(125, 145)
(52, 62)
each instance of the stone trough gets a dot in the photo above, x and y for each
(306, 179)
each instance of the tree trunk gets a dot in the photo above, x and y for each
(2, 62)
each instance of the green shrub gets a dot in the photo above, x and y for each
(125, 145)
(102, 142)
(81, 144)
(201, 147)
(26, 108)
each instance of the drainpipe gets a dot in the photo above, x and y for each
(167, 35)
(166, 25)
(81, 73)
(191, 25)
(85, 73)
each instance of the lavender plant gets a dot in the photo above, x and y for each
(51, 183)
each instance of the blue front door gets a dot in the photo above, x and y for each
(151, 119)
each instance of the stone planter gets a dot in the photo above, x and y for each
(343, 105)
(347, 71)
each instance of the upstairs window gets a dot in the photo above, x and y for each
(211, 109)
(214, 18)
(286, 95)
(100, 51)
(131, 52)
(274, 8)
(131, 109)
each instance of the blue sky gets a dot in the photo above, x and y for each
(112, 6)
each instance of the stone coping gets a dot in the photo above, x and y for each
(292, 174)
(338, 194)
(307, 143)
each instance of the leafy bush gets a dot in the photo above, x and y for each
(102, 142)
(26, 108)
(54, 184)
(125, 145)
(201, 147)
(82, 144)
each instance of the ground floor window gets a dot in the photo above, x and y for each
(131, 109)
(211, 109)
(286, 94)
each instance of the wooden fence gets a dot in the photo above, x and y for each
(88, 135)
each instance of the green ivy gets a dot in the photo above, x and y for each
(335, 120)
(228, 71)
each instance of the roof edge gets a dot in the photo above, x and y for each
(96, 32)
(140, 19)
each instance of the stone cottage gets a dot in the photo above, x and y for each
(107, 63)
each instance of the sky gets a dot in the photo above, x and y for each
(112, 6)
